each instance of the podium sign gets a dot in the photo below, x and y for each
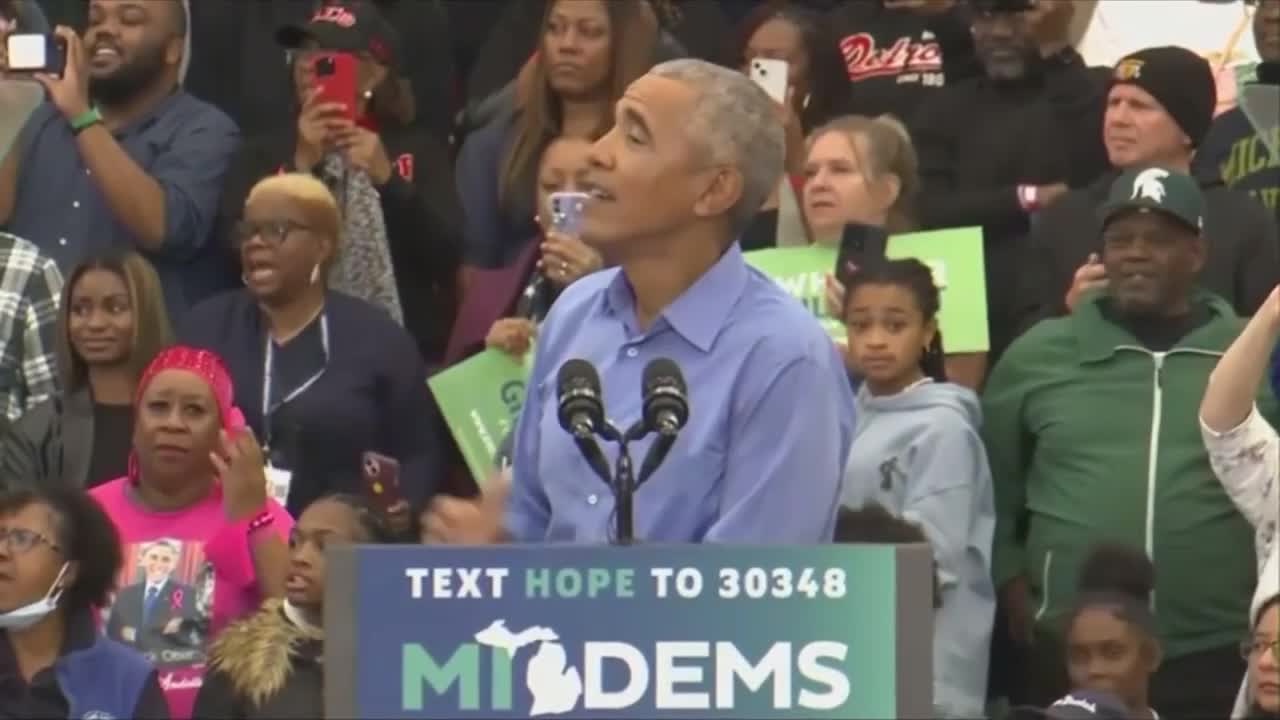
(695, 631)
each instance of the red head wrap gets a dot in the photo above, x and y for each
(209, 367)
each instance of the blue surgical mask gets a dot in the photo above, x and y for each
(28, 615)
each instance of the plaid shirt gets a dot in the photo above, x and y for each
(30, 289)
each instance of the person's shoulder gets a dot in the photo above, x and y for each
(190, 111)
(18, 253)
(120, 657)
(348, 314)
(1042, 345)
(1226, 202)
(218, 306)
(776, 323)
(111, 494)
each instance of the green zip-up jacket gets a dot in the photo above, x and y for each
(1092, 437)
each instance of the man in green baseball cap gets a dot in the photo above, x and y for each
(1152, 246)
(1089, 425)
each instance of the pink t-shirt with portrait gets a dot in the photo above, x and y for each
(186, 574)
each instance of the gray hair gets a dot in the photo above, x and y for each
(737, 124)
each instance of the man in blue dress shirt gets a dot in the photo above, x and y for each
(695, 152)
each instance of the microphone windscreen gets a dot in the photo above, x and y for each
(577, 374)
(662, 373)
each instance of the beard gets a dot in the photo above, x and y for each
(131, 78)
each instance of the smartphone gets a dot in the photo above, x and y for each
(772, 76)
(381, 479)
(566, 212)
(859, 244)
(335, 76)
(36, 53)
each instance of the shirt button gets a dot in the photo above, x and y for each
(87, 171)
(75, 203)
(592, 499)
(632, 352)
(62, 241)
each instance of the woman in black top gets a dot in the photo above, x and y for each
(401, 216)
(112, 320)
(322, 377)
(268, 665)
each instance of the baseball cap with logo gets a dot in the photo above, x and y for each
(1156, 189)
(1078, 705)
(355, 26)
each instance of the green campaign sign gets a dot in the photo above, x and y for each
(955, 256)
(480, 398)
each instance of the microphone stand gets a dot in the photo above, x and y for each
(624, 489)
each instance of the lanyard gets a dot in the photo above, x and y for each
(267, 364)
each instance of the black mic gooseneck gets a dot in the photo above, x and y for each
(580, 411)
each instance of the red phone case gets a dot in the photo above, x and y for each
(335, 76)
(381, 479)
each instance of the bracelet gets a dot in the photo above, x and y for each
(85, 120)
(260, 521)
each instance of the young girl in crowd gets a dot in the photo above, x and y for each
(1111, 638)
(195, 496)
(111, 322)
(917, 452)
(269, 665)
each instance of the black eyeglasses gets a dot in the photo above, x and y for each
(21, 540)
(1255, 646)
(272, 232)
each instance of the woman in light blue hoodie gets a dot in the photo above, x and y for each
(916, 451)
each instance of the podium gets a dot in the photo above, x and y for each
(649, 631)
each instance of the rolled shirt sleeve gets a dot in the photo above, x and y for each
(191, 172)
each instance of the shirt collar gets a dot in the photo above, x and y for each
(699, 313)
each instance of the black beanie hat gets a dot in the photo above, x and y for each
(1179, 79)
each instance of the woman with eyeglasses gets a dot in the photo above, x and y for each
(1260, 696)
(111, 322)
(402, 222)
(323, 377)
(269, 665)
(59, 555)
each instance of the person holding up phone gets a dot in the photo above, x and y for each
(354, 130)
(562, 256)
(120, 156)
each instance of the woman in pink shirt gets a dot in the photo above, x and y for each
(202, 542)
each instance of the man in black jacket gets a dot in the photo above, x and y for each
(1158, 110)
(995, 148)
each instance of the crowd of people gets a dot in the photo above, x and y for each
(224, 291)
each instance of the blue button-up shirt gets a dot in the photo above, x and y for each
(762, 457)
(184, 144)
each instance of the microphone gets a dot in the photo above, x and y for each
(534, 299)
(666, 409)
(580, 411)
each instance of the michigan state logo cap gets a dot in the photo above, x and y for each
(1156, 189)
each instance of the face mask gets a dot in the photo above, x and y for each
(28, 615)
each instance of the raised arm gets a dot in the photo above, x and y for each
(1228, 399)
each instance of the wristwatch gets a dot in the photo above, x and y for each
(85, 120)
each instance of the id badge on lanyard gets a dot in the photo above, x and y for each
(280, 479)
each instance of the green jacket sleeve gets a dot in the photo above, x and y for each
(1004, 431)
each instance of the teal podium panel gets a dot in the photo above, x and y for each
(653, 632)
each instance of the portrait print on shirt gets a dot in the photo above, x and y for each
(164, 606)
